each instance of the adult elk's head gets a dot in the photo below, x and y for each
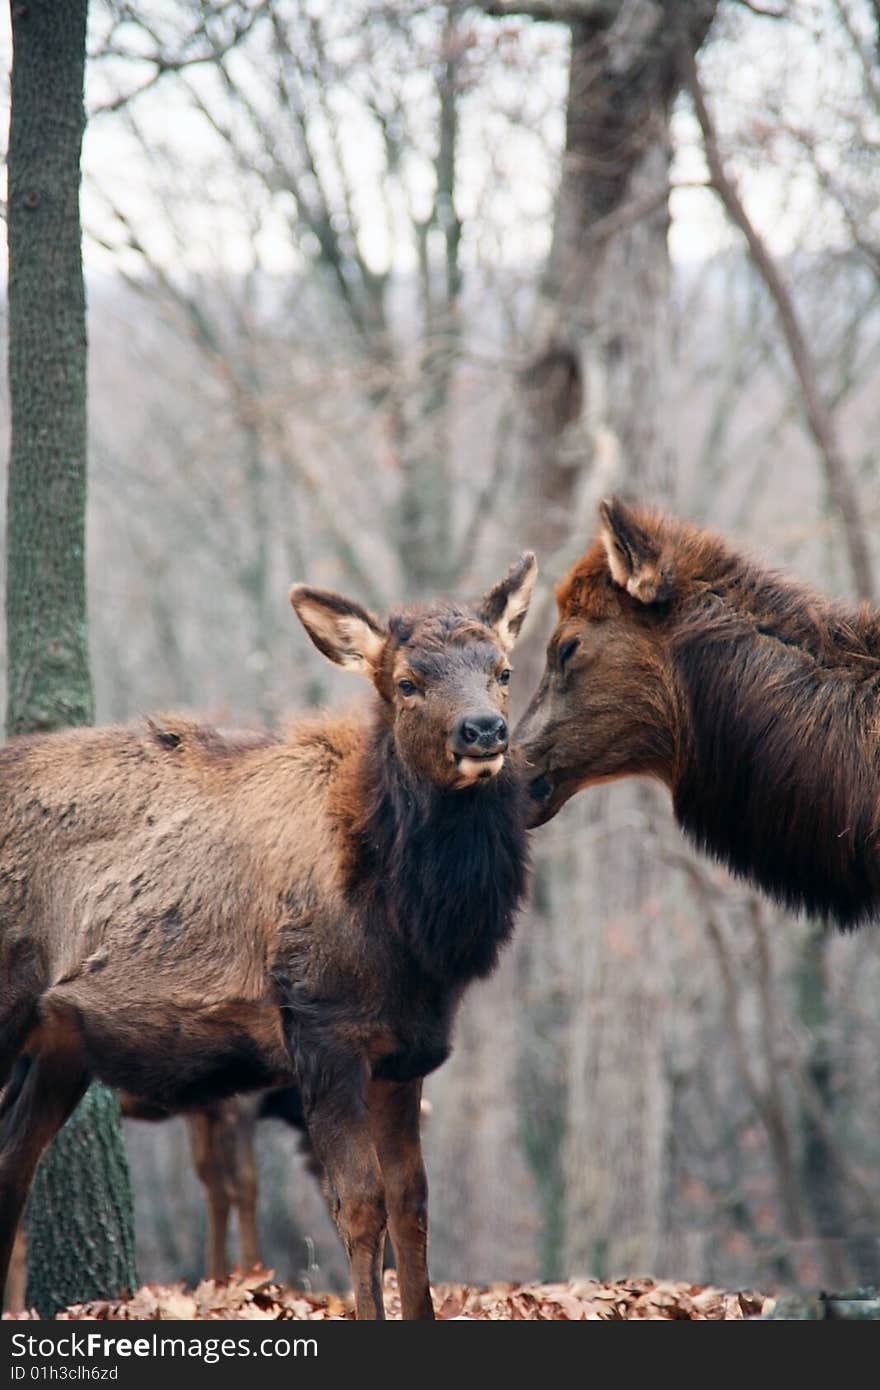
(442, 671)
(605, 706)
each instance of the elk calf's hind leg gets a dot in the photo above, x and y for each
(395, 1114)
(51, 1088)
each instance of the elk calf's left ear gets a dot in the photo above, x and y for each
(341, 630)
(504, 608)
(633, 553)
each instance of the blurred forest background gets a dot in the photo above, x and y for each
(381, 294)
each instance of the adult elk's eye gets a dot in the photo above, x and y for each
(504, 676)
(407, 687)
(567, 651)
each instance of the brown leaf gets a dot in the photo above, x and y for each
(255, 1296)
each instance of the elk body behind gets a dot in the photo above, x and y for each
(187, 915)
(223, 1145)
(754, 699)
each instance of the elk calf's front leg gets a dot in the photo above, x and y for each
(339, 1129)
(395, 1114)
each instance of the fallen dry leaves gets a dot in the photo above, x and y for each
(581, 1300)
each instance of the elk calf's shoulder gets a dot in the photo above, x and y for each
(188, 914)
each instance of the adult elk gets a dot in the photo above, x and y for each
(753, 698)
(186, 915)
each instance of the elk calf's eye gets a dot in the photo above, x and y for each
(504, 677)
(567, 651)
(407, 687)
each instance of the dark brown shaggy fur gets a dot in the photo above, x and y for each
(754, 698)
(186, 915)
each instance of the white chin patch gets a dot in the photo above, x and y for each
(479, 769)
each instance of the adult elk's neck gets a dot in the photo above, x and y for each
(448, 868)
(779, 764)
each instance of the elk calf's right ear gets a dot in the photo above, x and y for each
(341, 630)
(504, 608)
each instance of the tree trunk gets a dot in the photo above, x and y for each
(80, 1223)
(843, 1255)
(618, 1090)
(593, 420)
(601, 332)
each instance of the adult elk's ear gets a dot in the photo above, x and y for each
(504, 608)
(633, 553)
(341, 630)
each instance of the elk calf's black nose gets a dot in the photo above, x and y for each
(482, 733)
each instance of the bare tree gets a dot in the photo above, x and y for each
(80, 1227)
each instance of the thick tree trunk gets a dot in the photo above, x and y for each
(618, 1093)
(593, 419)
(600, 348)
(80, 1224)
(48, 678)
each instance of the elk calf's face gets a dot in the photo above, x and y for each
(605, 706)
(442, 672)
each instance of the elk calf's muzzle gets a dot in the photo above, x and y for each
(479, 745)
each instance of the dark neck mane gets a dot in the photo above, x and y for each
(447, 867)
(778, 772)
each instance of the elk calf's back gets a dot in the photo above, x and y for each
(754, 699)
(187, 914)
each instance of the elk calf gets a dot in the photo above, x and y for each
(186, 915)
(753, 698)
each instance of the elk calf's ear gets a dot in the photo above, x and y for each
(504, 608)
(633, 553)
(341, 630)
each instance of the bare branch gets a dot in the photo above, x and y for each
(248, 409)
(829, 185)
(815, 1108)
(868, 57)
(767, 1100)
(551, 11)
(820, 419)
(763, 12)
(487, 498)
(195, 49)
